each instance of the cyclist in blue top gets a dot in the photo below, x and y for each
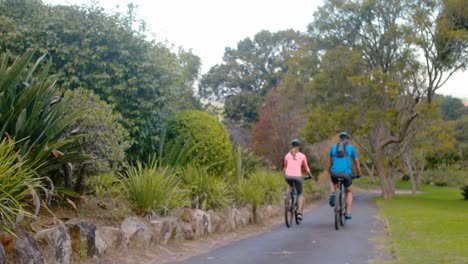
(340, 164)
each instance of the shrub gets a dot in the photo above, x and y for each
(205, 189)
(262, 187)
(154, 189)
(446, 177)
(210, 138)
(16, 181)
(244, 162)
(465, 192)
(105, 184)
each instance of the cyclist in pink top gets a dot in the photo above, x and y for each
(293, 162)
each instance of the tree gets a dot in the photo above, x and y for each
(372, 78)
(278, 124)
(111, 55)
(104, 138)
(254, 67)
(452, 108)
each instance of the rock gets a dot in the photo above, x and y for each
(216, 222)
(55, 244)
(83, 238)
(24, 249)
(196, 223)
(165, 229)
(243, 217)
(137, 232)
(115, 239)
(3, 256)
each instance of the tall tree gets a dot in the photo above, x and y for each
(372, 75)
(111, 55)
(253, 68)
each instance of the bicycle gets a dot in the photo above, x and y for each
(340, 203)
(290, 205)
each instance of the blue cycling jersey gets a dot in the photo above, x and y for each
(342, 164)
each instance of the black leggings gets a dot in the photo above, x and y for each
(347, 178)
(294, 179)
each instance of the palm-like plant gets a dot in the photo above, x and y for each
(153, 189)
(206, 190)
(31, 113)
(16, 182)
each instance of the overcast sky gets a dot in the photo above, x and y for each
(207, 27)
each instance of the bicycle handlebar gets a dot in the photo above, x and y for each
(355, 176)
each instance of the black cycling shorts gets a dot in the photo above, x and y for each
(292, 179)
(347, 178)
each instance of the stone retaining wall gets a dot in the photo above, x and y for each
(69, 242)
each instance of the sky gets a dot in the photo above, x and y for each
(207, 27)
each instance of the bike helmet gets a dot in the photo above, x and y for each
(296, 142)
(344, 135)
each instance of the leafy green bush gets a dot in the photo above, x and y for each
(465, 192)
(154, 189)
(104, 136)
(210, 138)
(105, 184)
(16, 181)
(446, 177)
(205, 189)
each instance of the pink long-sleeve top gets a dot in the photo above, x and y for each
(292, 166)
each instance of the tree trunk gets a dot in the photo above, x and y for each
(370, 171)
(68, 174)
(81, 180)
(386, 183)
(414, 185)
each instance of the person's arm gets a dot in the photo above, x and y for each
(285, 165)
(357, 165)
(356, 162)
(306, 166)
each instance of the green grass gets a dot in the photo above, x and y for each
(428, 228)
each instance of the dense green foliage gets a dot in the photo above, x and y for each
(210, 138)
(110, 54)
(31, 112)
(249, 71)
(104, 138)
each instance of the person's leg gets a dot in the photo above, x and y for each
(349, 203)
(333, 186)
(300, 204)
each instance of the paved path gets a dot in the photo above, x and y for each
(314, 241)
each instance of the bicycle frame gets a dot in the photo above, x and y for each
(340, 204)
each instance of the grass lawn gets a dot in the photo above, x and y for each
(431, 227)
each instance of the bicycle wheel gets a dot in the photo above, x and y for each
(342, 204)
(337, 208)
(288, 206)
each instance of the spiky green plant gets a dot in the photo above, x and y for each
(244, 162)
(206, 190)
(153, 188)
(16, 181)
(31, 113)
(261, 187)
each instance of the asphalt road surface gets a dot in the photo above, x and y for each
(315, 240)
